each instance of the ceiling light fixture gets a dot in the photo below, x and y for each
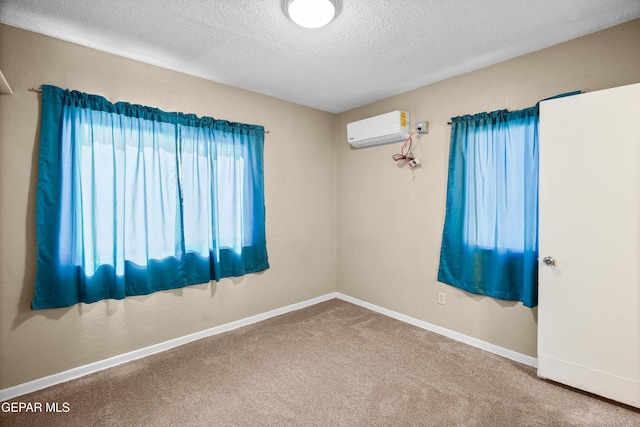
(311, 13)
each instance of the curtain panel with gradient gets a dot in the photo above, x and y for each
(490, 237)
(132, 200)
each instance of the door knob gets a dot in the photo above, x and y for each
(549, 261)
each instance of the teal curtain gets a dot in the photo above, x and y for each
(490, 238)
(132, 200)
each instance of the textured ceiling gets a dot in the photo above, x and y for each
(372, 50)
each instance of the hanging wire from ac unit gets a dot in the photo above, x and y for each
(407, 156)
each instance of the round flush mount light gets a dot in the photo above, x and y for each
(311, 13)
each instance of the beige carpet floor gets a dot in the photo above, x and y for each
(332, 364)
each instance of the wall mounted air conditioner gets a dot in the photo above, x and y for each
(383, 129)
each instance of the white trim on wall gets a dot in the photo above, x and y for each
(5, 89)
(51, 380)
(474, 342)
(41, 383)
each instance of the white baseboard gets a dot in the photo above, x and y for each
(41, 383)
(491, 348)
(51, 380)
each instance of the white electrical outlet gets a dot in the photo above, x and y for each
(441, 298)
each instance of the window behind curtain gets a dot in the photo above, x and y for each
(489, 243)
(132, 200)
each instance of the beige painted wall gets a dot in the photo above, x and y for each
(390, 219)
(300, 203)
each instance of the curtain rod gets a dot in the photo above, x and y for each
(35, 89)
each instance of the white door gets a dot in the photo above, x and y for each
(589, 301)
